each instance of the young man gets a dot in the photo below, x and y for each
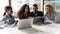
(35, 12)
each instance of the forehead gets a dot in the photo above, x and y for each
(26, 6)
(47, 7)
(10, 10)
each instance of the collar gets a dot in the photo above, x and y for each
(8, 15)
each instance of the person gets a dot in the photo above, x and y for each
(50, 13)
(35, 11)
(8, 18)
(23, 13)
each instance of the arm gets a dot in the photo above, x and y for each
(2, 20)
(15, 22)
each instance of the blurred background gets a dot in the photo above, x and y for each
(55, 3)
(16, 5)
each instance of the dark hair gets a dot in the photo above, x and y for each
(6, 9)
(22, 10)
(35, 5)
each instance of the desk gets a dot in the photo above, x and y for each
(36, 29)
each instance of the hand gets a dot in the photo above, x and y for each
(29, 17)
(8, 20)
(15, 24)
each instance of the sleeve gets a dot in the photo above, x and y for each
(30, 14)
(13, 18)
(41, 13)
(2, 20)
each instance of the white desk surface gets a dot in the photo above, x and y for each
(36, 29)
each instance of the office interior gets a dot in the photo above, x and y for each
(53, 28)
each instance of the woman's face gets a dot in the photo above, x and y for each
(47, 9)
(26, 9)
(9, 11)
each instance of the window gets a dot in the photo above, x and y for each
(3, 3)
(55, 3)
(17, 4)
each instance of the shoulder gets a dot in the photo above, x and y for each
(46, 14)
(40, 12)
(31, 13)
(5, 16)
(55, 13)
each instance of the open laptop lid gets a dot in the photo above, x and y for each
(38, 19)
(25, 23)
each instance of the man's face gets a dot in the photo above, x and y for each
(35, 8)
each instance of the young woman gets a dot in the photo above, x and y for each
(50, 13)
(8, 18)
(23, 13)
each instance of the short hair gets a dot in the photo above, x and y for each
(35, 5)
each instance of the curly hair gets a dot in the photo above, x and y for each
(51, 8)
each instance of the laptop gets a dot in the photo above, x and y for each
(38, 20)
(57, 19)
(25, 23)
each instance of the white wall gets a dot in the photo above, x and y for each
(3, 3)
